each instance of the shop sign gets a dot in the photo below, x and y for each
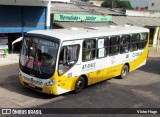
(81, 18)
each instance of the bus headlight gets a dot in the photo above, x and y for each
(51, 82)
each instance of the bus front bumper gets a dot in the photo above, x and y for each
(44, 89)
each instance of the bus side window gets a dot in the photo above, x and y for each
(114, 45)
(124, 44)
(67, 58)
(102, 47)
(143, 40)
(89, 49)
(134, 42)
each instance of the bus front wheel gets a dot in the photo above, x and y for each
(124, 72)
(79, 85)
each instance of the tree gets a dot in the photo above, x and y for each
(117, 4)
(84, 0)
(126, 4)
(108, 3)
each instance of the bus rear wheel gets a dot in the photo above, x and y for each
(124, 72)
(79, 85)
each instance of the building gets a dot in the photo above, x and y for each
(119, 17)
(19, 17)
(65, 16)
(148, 19)
(154, 5)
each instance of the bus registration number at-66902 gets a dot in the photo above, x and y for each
(31, 85)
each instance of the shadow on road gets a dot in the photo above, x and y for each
(152, 66)
(9, 80)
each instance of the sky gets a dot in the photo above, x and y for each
(139, 3)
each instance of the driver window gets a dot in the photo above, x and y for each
(68, 57)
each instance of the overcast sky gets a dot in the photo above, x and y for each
(139, 3)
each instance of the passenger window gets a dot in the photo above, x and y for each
(102, 47)
(124, 44)
(89, 49)
(114, 45)
(143, 40)
(134, 42)
(68, 57)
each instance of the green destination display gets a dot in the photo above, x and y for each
(81, 18)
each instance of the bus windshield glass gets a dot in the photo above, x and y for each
(38, 57)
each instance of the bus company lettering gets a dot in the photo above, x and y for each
(88, 66)
(62, 17)
(90, 18)
(136, 54)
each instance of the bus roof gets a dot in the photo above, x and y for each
(82, 33)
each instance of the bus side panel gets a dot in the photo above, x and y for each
(64, 83)
(112, 71)
(140, 60)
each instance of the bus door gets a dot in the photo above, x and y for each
(68, 63)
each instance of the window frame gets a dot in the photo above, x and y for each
(141, 41)
(129, 39)
(105, 46)
(91, 49)
(137, 42)
(79, 46)
(111, 46)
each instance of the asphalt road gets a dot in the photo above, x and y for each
(141, 89)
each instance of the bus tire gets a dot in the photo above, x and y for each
(79, 85)
(124, 71)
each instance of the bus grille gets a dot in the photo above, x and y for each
(35, 88)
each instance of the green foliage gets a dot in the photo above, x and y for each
(84, 0)
(126, 4)
(117, 4)
(107, 3)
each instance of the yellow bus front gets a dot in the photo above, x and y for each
(37, 64)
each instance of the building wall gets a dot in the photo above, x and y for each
(154, 5)
(25, 2)
(21, 18)
(142, 13)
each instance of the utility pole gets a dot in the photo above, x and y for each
(158, 37)
(112, 4)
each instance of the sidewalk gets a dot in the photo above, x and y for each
(153, 53)
(9, 59)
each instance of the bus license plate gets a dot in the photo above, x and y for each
(31, 85)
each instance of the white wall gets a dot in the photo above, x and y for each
(155, 7)
(142, 13)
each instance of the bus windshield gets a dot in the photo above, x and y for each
(38, 57)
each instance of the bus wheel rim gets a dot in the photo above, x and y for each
(124, 72)
(79, 85)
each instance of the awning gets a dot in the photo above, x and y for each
(81, 24)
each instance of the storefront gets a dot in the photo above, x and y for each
(19, 17)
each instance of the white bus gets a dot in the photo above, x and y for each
(62, 60)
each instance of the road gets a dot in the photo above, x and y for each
(141, 89)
